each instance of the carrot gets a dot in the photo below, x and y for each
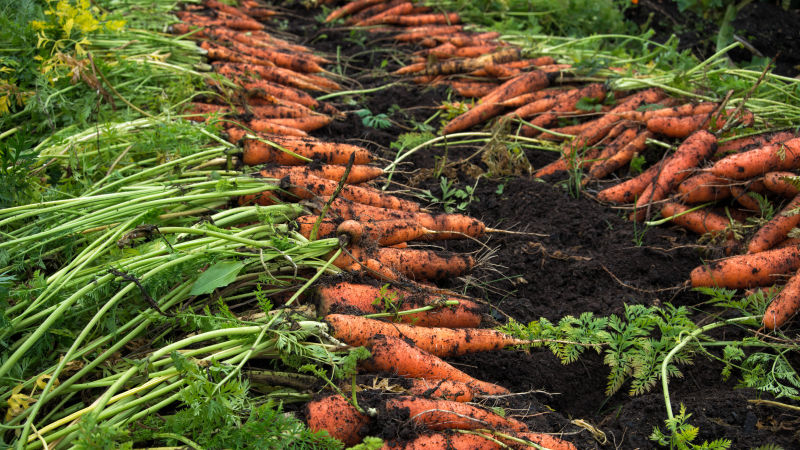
(604, 167)
(236, 23)
(771, 157)
(748, 270)
(442, 342)
(686, 109)
(279, 111)
(461, 65)
(528, 82)
(311, 186)
(524, 99)
(472, 88)
(358, 173)
(442, 389)
(218, 52)
(784, 305)
(445, 414)
(683, 126)
(535, 107)
(377, 19)
(199, 111)
(779, 183)
(545, 440)
(393, 354)
(371, 11)
(628, 191)
(704, 187)
(256, 152)
(697, 147)
(281, 92)
(419, 33)
(338, 417)
(749, 142)
(214, 4)
(350, 8)
(278, 75)
(384, 232)
(452, 441)
(419, 20)
(777, 228)
(573, 130)
(269, 126)
(307, 123)
(741, 196)
(698, 221)
(425, 264)
(279, 57)
(344, 296)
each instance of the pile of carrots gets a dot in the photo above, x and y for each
(271, 117)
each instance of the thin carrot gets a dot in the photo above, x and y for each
(442, 342)
(683, 126)
(338, 417)
(279, 111)
(461, 65)
(605, 167)
(445, 414)
(424, 264)
(371, 11)
(699, 221)
(271, 127)
(384, 16)
(545, 440)
(686, 109)
(697, 147)
(358, 173)
(310, 186)
(748, 270)
(749, 142)
(350, 8)
(279, 57)
(281, 92)
(278, 75)
(393, 354)
(344, 297)
(419, 20)
(777, 228)
(784, 305)
(218, 52)
(628, 191)
(780, 183)
(704, 187)
(306, 123)
(419, 33)
(472, 88)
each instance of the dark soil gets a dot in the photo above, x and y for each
(579, 256)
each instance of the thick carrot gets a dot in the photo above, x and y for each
(271, 127)
(699, 221)
(393, 354)
(442, 342)
(524, 99)
(419, 20)
(749, 142)
(425, 264)
(604, 167)
(358, 173)
(528, 82)
(535, 107)
(704, 187)
(742, 197)
(686, 109)
(344, 296)
(280, 58)
(779, 183)
(419, 33)
(218, 52)
(382, 17)
(777, 228)
(214, 4)
(310, 186)
(338, 417)
(350, 8)
(384, 232)
(772, 157)
(628, 191)
(440, 389)
(445, 414)
(472, 88)
(749, 270)
(306, 123)
(683, 126)
(281, 92)
(280, 75)
(257, 152)
(784, 305)
(279, 111)
(697, 147)
(451, 441)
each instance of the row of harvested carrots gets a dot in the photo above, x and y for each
(542, 94)
(272, 120)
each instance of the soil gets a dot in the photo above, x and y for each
(577, 256)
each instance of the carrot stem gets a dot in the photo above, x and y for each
(413, 311)
(653, 223)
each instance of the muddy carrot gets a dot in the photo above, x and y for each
(279, 111)
(686, 109)
(605, 167)
(440, 389)
(384, 232)
(781, 183)
(545, 440)
(442, 342)
(699, 221)
(742, 197)
(749, 164)
(777, 228)
(344, 296)
(338, 417)
(704, 187)
(278, 75)
(444, 414)
(748, 270)
(371, 11)
(419, 20)
(425, 264)
(358, 173)
(784, 305)
(628, 191)
(271, 127)
(453, 66)
(443, 441)
(384, 16)
(749, 142)
(257, 152)
(350, 8)
(472, 88)
(419, 33)
(307, 123)
(310, 186)
(218, 52)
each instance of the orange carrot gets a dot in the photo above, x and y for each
(278, 75)
(279, 111)
(628, 191)
(604, 167)
(687, 109)
(338, 417)
(220, 53)
(281, 92)
(772, 157)
(545, 440)
(698, 221)
(704, 187)
(384, 232)
(279, 57)
(441, 389)
(445, 414)
(779, 183)
(675, 169)
(271, 127)
(749, 142)
(419, 33)
(257, 152)
(358, 173)
(442, 342)
(527, 82)
(382, 17)
(524, 99)
(307, 123)
(419, 20)
(472, 88)
(777, 228)
(425, 264)
(784, 305)
(742, 197)
(350, 8)
(371, 11)
(748, 270)
(680, 127)
(451, 441)
(344, 297)
(395, 355)
(310, 186)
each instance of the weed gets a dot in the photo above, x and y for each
(380, 121)
(682, 435)
(452, 199)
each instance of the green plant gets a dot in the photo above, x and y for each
(682, 435)
(452, 199)
(380, 121)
